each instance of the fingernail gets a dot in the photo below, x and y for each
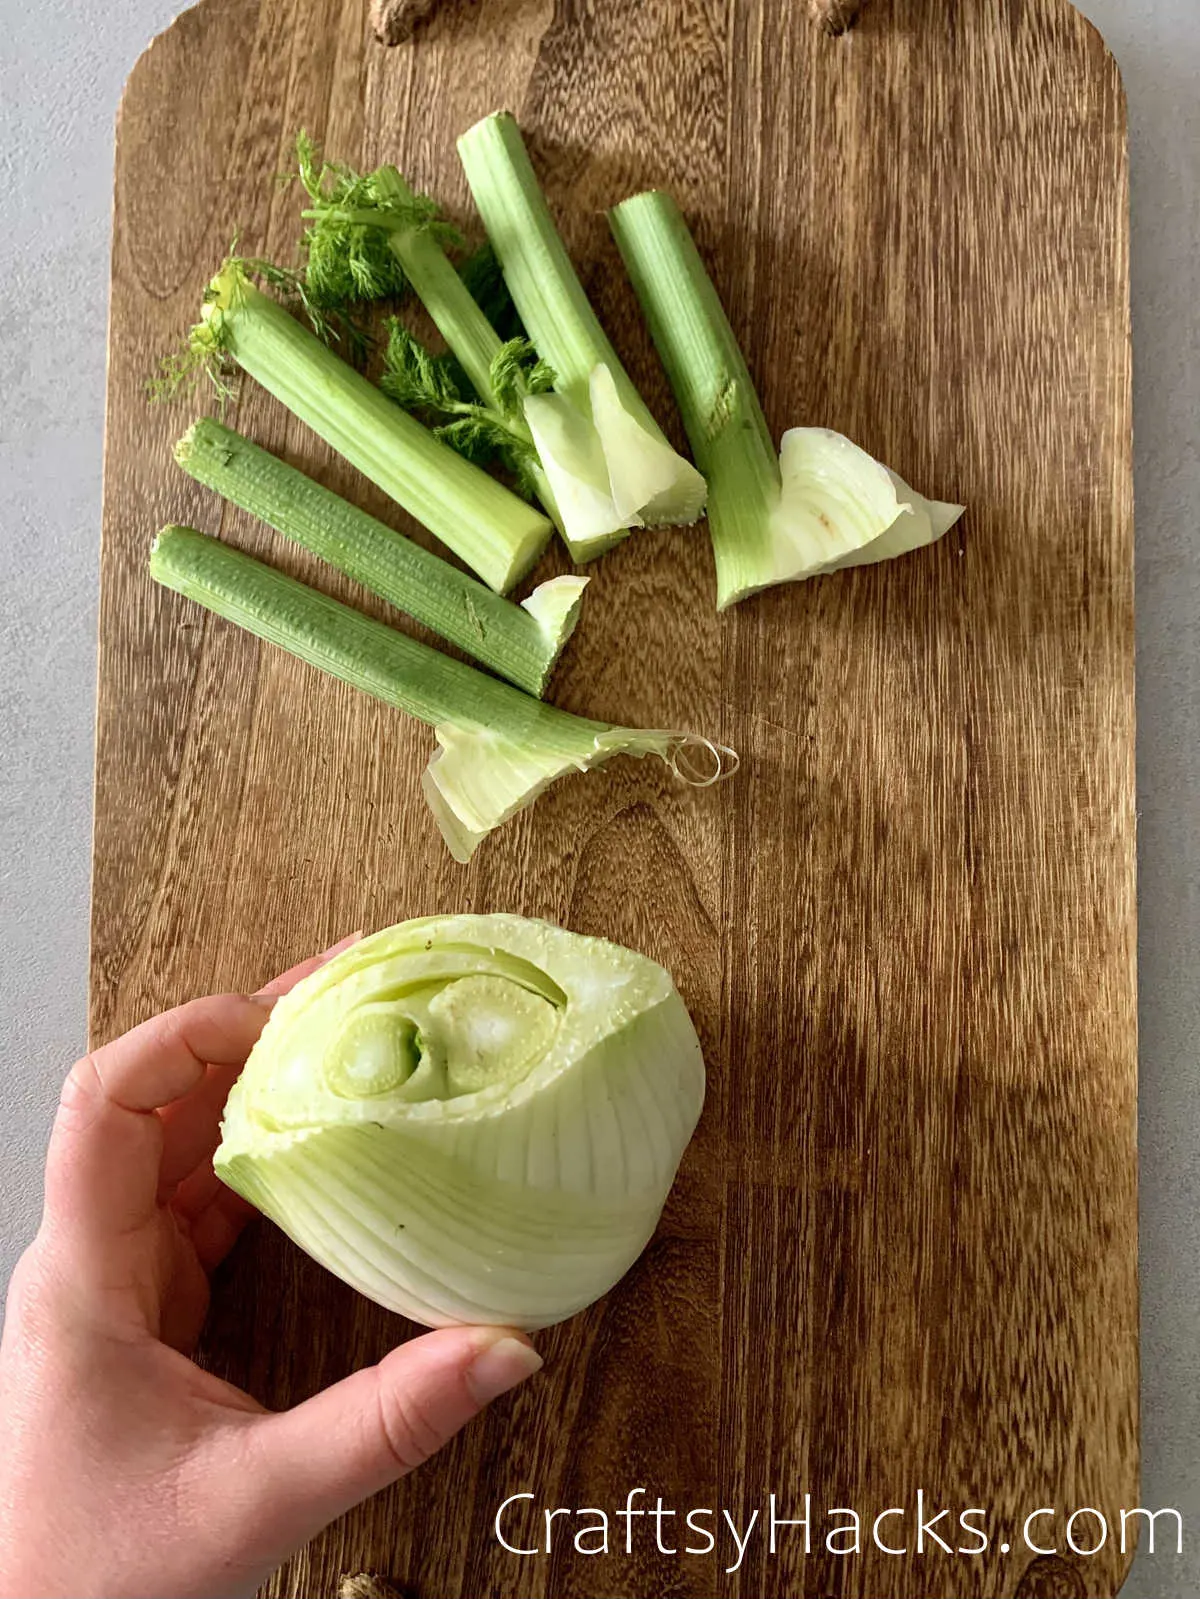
(265, 1000)
(501, 1366)
(342, 943)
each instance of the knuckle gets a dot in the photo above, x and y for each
(409, 1433)
(30, 1292)
(81, 1094)
(23, 1287)
(221, 1014)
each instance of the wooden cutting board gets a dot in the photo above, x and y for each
(901, 1253)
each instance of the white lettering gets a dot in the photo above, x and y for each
(512, 1548)
(741, 1542)
(976, 1532)
(924, 1526)
(703, 1531)
(658, 1513)
(841, 1528)
(549, 1516)
(1036, 1549)
(802, 1521)
(628, 1514)
(1086, 1510)
(599, 1526)
(1152, 1516)
(883, 1515)
(855, 1528)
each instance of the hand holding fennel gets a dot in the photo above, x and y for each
(126, 1467)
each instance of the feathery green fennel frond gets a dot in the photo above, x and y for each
(484, 279)
(436, 386)
(350, 217)
(203, 354)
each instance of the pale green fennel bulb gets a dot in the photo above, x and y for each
(470, 1118)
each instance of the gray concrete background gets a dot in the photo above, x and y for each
(61, 69)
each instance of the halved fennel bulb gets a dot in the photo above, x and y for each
(470, 1119)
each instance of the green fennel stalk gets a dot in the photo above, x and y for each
(519, 642)
(497, 534)
(370, 237)
(541, 279)
(713, 388)
(602, 433)
(822, 503)
(497, 747)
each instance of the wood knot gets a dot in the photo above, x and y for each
(835, 16)
(367, 1585)
(394, 20)
(1051, 1577)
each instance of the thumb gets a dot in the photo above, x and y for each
(316, 1461)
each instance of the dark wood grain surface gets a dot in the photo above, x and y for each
(901, 1253)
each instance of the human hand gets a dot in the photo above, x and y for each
(127, 1470)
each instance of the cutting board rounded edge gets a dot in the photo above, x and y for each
(151, 54)
(146, 59)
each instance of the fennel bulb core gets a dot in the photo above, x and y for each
(439, 1041)
(470, 1118)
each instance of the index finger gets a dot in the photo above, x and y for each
(102, 1167)
(193, 1122)
(295, 974)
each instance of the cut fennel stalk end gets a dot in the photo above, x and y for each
(823, 503)
(835, 507)
(591, 452)
(609, 464)
(519, 643)
(478, 779)
(498, 748)
(495, 532)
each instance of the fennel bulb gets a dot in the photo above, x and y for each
(470, 1118)
(823, 503)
